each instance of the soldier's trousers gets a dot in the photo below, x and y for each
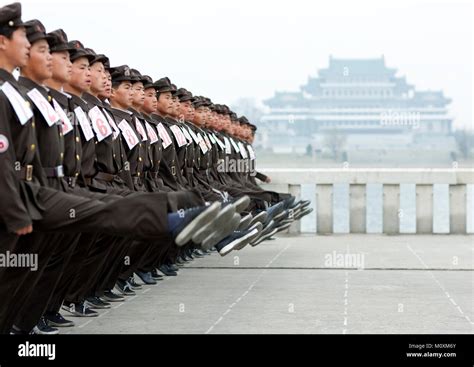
(139, 216)
(143, 255)
(63, 266)
(67, 251)
(70, 269)
(38, 287)
(66, 213)
(11, 277)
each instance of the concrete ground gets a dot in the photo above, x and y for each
(310, 284)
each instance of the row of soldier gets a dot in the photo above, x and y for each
(108, 175)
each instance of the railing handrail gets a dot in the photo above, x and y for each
(420, 176)
(434, 170)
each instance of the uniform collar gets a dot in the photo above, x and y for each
(89, 98)
(171, 120)
(80, 102)
(136, 113)
(157, 117)
(30, 85)
(149, 118)
(7, 77)
(60, 97)
(121, 113)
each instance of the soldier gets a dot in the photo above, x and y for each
(49, 209)
(169, 172)
(77, 168)
(38, 286)
(276, 217)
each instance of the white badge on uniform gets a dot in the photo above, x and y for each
(202, 144)
(234, 144)
(20, 106)
(178, 134)
(99, 124)
(243, 151)
(186, 134)
(193, 135)
(151, 133)
(129, 135)
(228, 149)
(44, 107)
(212, 139)
(165, 137)
(113, 124)
(140, 129)
(251, 152)
(208, 143)
(66, 125)
(84, 123)
(221, 144)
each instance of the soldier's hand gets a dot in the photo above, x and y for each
(24, 230)
(268, 180)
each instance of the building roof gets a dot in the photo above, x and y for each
(356, 67)
(356, 82)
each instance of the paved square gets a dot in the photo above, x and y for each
(308, 284)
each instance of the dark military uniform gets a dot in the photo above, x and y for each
(27, 198)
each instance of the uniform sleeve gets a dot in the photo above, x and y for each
(13, 213)
(261, 176)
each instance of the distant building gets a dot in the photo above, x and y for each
(362, 99)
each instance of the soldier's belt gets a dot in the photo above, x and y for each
(54, 171)
(107, 177)
(173, 170)
(25, 173)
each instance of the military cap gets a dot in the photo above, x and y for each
(106, 63)
(164, 85)
(77, 51)
(148, 82)
(212, 107)
(234, 118)
(175, 89)
(243, 120)
(121, 74)
(189, 97)
(184, 95)
(10, 17)
(58, 41)
(137, 76)
(35, 31)
(220, 109)
(98, 57)
(200, 102)
(226, 110)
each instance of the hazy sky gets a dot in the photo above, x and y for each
(249, 48)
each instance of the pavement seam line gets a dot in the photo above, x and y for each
(440, 285)
(86, 323)
(247, 291)
(345, 298)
